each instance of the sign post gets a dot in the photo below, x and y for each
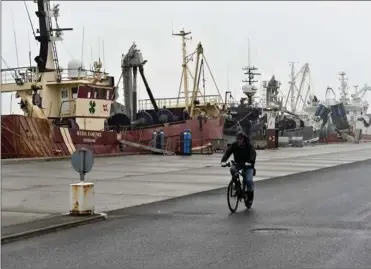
(82, 193)
(82, 161)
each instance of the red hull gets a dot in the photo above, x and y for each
(25, 137)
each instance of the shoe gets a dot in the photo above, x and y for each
(250, 196)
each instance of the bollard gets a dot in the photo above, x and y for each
(82, 193)
(82, 198)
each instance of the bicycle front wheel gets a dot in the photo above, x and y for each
(232, 196)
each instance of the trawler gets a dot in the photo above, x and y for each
(67, 109)
(342, 118)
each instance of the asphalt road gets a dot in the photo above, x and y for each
(327, 215)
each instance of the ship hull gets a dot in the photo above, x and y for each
(26, 137)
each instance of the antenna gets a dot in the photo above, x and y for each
(29, 48)
(98, 47)
(227, 79)
(15, 38)
(249, 68)
(104, 69)
(29, 18)
(91, 57)
(248, 52)
(82, 46)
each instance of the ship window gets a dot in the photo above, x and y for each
(74, 92)
(84, 92)
(96, 92)
(107, 94)
(102, 94)
(64, 94)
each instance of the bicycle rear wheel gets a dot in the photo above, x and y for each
(232, 195)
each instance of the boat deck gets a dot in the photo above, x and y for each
(32, 190)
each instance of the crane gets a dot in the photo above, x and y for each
(361, 93)
(191, 98)
(130, 64)
(299, 101)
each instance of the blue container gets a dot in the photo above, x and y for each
(187, 142)
(185, 145)
(189, 136)
(181, 143)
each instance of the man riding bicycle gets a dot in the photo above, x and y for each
(243, 152)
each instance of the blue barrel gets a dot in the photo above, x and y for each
(185, 145)
(181, 143)
(189, 135)
(186, 139)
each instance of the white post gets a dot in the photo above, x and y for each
(82, 193)
(82, 198)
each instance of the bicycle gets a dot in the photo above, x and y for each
(235, 184)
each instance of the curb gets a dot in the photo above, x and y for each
(50, 229)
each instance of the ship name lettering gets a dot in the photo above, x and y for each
(89, 133)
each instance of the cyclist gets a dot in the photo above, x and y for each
(243, 152)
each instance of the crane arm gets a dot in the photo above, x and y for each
(361, 93)
(153, 101)
(212, 77)
(195, 88)
(301, 87)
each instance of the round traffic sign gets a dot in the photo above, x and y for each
(82, 160)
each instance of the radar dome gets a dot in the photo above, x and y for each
(246, 88)
(74, 67)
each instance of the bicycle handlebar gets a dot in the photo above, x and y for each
(228, 164)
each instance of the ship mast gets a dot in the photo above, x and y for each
(343, 87)
(184, 35)
(47, 37)
(249, 68)
(292, 86)
(251, 74)
(250, 90)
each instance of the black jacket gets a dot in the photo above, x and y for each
(241, 155)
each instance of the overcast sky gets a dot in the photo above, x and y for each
(330, 36)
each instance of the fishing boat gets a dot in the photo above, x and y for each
(345, 118)
(252, 116)
(67, 109)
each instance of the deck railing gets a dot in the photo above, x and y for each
(22, 75)
(146, 104)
